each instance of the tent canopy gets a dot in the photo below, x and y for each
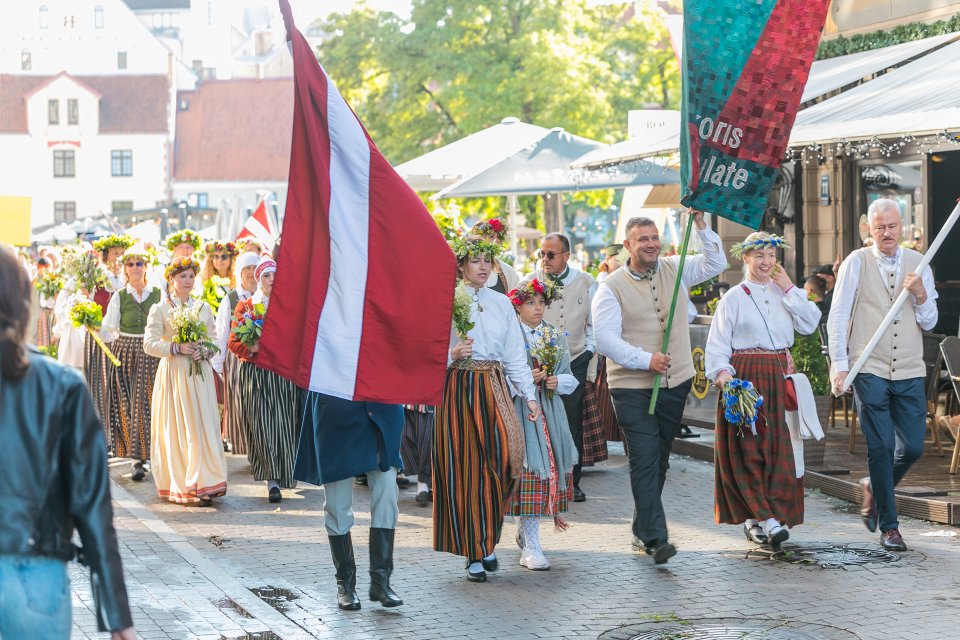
(920, 98)
(544, 167)
(468, 156)
(835, 73)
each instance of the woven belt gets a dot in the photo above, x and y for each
(477, 365)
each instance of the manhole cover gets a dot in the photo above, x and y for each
(727, 629)
(836, 556)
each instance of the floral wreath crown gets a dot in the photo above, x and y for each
(216, 246)
(184, 236)
(114, 240)
(472, 246)
(740, 248)
(179, 265)
(494, 227)
(136, 251)
(550, 291)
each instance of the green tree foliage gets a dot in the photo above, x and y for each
(457, 66)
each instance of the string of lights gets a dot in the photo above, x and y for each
(874, 147)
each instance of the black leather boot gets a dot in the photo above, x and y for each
(381, 566)
(341, 548)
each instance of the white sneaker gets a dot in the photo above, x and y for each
(534, 559)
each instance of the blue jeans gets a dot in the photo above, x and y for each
(893, 418)
(34, 598)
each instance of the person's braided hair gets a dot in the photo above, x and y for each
(14, 316)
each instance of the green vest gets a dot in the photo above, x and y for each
(133, 314)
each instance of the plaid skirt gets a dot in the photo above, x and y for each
(532, 497)
(594, 434)
(605, 404)
(755, 476)
(130, 395)
(476, 445)
(45, 327)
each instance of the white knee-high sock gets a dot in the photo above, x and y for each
(531, 531)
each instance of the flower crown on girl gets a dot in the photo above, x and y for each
(473, 246)
(111, 241)
(180, 265)
(550, 291)
(184, 236)
(758, 241)
(216, 246)
(494, 227)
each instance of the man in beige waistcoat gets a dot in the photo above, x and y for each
(889, 390)
(629, 317)
(570, 314)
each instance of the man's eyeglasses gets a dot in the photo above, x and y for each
(138, 263)
(550, 255)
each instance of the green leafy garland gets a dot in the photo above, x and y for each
(841, 46)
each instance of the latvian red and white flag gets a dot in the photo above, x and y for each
(363, 296)
(259, 227)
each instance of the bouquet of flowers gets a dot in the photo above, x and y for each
(741, 405)
(88, 314)
(548, 351)
(84, 268)
(49, 284)
(214, 290)
(461, 313)
(250, 327)
(189, 328)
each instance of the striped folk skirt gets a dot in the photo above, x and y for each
(755, 476)
(98, 371)
(233, 426)
(416, 443)
(478, 451)
(45, 327)
(130, 396)
(272, 408)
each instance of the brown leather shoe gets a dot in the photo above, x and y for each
(892, 540)
(868, 508)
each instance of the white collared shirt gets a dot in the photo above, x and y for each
(572, 273)
(224, 319)
(845, 293)
(566, 382)
(608, 316)
(110, 328)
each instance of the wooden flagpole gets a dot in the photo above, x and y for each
(673, 306)
(899, 302)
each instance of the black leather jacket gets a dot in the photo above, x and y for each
(53, 478)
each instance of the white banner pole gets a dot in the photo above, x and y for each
(898, 303)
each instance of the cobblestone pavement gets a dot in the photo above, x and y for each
(195, 572)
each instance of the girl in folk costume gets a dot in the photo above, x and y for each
(249, 245)
(233, 428)
(546, 481)
(186, 455)
(71, 338)
(756, 483)
(217, 276)
(96, 367)
(48, 284)
(272, 405)
(503, 277)
(130, 387)
(183, 243)
(478, 441)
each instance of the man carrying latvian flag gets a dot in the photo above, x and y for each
(360, 314)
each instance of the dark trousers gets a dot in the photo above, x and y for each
(648, 440)
(573, 406)
(893, 418)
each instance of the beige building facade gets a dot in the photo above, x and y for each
(851, 17)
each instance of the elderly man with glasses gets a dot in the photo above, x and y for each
(570, 314)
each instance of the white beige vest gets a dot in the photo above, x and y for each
(645, 305)
(899, 354)
(571, 314)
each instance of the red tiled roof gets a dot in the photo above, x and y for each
(128, 103)
(235, 130)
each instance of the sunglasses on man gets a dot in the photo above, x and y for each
(550, 255)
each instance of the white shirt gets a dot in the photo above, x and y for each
(573, 272)
(844, 294)
(566, 382)
(496, 336)
(608, 316)
(110, 328)
(737, 324)
(224, 319)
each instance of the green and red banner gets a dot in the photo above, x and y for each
(745, 63)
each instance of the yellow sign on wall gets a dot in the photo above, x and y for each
(15, 220)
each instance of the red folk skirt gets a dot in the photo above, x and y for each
(755, 475)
